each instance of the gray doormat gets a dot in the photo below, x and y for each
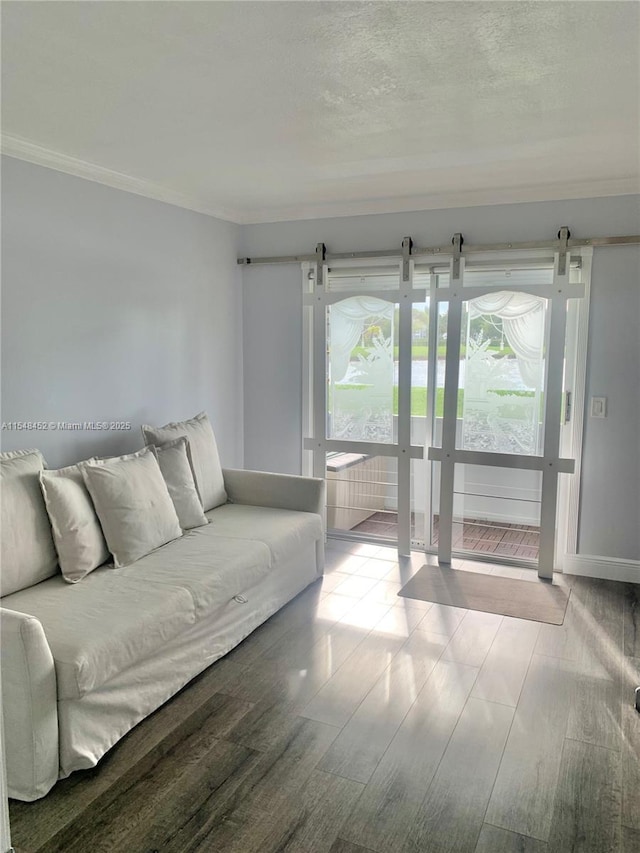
(539, 601)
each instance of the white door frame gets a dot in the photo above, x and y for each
(317, 297)
(563, 439)
(551, 463)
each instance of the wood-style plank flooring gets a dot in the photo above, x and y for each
(354, 721)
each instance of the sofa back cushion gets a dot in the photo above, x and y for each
(204, 454)
(27, 552)
(174, 459)
(77, 533)
(132, 503)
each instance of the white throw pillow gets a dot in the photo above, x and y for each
(27, 552)
(204, 454)
(174, 459)
(76, 530)
(133, 504)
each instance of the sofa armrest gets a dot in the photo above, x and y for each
(283, 491)
(29, 704)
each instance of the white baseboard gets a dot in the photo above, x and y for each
(609, 568)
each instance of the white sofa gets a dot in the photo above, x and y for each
(84, 663)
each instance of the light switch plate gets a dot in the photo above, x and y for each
(598, 407)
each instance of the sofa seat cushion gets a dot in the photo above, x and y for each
(213, 568)
(284, 531)
(99, 627)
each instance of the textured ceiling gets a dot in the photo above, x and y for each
(272, 110)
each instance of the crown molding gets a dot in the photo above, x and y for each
(22, 149)
(445, 200)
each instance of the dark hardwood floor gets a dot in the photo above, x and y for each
(354, 721)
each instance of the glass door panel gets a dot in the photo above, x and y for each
(502, 365)
(362, 495)
(496, 511)
(422, 411)
(433, 521)
(438, 373)
(361, 375)
(419, 369)
(420, 522)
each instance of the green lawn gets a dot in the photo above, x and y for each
(419, 402)
(419, 399)
(420, 352)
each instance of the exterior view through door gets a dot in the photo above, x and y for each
(443, 400)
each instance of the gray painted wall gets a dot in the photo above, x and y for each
(610, 489)
(114, 307)
(610, 523)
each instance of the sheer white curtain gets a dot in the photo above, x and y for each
(522, 317)
(523, 322)
(347, 323)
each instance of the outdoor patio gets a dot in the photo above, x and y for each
(518, 541)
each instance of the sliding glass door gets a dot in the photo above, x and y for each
(357, 419)
(361, 406)
(436, 401)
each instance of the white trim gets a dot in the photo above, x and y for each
(447, 200)
(450, 409)
(569, 496)
(430, 432)
(553, 403)
(501, 460)
(332, 297)
(306, 457)
(609, 568)
(369, 448)
(545, 291)
(404, 404)
(319, 375)
(22, 149)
